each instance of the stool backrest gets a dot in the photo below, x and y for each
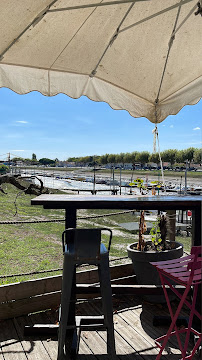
(85, 243)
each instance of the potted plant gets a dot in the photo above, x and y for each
(156, 185)
(156, 249)
(139, 183)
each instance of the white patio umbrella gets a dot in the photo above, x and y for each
(144, 56)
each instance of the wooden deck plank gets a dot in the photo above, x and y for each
(1, 340)
(84, 350)
(147, 328)
(134, 334)
(33, 348)
(123, 348)
(145, 314)
(97, 345)
(141, 316)
(1, 353)
(50, 343)
(11, 346)
(127, 339)
(91, 339)
(151, 350)
(145, 333)
(133, 337)
(127, 325)
(125, 331)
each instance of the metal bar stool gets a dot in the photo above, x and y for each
(186, 271)
(83, 246)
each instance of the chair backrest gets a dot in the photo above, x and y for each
(196, 263)
(85, 243)
(196, 250)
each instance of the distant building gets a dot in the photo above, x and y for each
(19, 163)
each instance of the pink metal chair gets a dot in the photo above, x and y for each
(186, 271)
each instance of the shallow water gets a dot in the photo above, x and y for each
(75, 185)
(69, 184)
(55, 181)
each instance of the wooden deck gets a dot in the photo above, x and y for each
(134, 333)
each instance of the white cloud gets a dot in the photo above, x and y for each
(17, 150)
(197, 128)
(22, 122)
(171, 126)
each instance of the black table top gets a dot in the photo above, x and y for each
(63, 201)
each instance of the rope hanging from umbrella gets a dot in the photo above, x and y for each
(156, 137)
(175, 29)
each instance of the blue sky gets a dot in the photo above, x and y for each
(60, 127)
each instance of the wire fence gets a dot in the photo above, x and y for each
(55, 221)
(62, 220)
(16, 222)
(52, 270)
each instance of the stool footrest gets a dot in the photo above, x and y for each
(90, 322)
(82, 322)
(41, 329)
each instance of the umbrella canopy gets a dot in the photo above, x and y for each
(139, 55)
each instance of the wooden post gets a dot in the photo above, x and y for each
(120, 180)
(172, 221)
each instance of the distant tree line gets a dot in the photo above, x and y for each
(34, 161)
(173, 156)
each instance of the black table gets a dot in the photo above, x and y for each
(73, 202)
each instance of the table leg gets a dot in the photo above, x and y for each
(197, 226)
(196, 241)
(70, 218)
(70, 222)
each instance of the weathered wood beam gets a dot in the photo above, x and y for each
(50, 284)
(52, 300)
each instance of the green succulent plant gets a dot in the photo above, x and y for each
(155, 233)
(158, 232)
